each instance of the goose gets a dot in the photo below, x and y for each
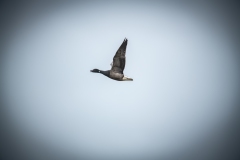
(118, 65)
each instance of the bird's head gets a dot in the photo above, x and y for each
(95, 70)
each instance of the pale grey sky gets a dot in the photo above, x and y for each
(181, 59)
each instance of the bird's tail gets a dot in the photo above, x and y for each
(127, 79)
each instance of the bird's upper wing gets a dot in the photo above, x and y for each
(119, 59)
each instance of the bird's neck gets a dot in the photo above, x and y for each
(106, 73)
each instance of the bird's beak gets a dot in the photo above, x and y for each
(91, 71)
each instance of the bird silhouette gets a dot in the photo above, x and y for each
(118, 65)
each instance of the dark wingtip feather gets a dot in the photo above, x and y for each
(125, 40)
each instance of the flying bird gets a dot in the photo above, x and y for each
(118, 65)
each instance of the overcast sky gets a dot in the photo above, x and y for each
(181, 59)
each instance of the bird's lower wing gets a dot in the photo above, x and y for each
(118, 65)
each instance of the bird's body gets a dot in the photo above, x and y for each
(118, 65)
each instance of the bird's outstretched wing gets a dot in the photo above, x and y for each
(119, 59)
